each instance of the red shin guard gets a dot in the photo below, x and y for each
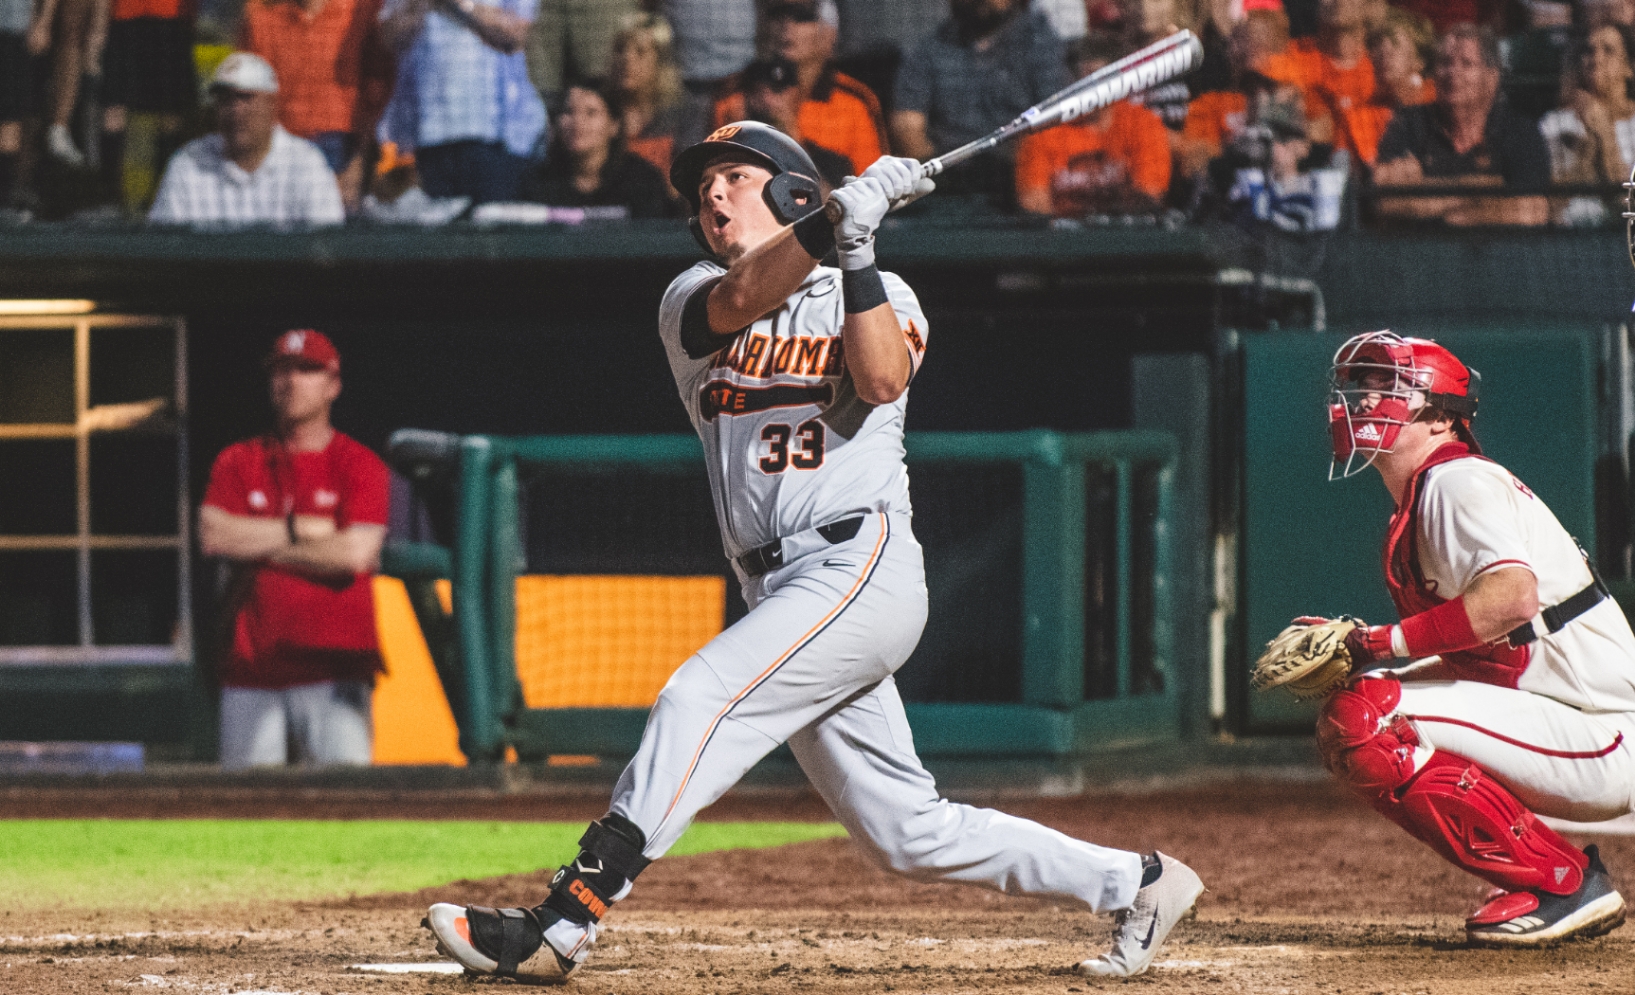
(1450, 804)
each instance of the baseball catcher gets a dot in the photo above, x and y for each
(1506, 691)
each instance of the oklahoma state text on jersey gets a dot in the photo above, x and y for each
(788, 443)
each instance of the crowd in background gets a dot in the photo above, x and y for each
(1305, 113)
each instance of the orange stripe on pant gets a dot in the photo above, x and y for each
(709, 731)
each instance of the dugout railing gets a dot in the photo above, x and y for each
(1067, 532)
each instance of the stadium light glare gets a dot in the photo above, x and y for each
(22, 307)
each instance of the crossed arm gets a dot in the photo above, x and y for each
(320, 550)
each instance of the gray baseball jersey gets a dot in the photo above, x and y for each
(788, 443)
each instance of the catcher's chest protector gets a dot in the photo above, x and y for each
(1496, 663)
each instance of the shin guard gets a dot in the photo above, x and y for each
(610, 857)
(1471, 819)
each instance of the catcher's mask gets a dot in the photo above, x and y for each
(792, 193)
(1381, 382)
(1629, 214)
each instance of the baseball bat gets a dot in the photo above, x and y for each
(1160, 62)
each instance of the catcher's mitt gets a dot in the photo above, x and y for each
(1310, 660)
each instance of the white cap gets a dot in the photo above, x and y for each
(246, 73)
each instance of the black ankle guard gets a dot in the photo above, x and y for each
(610, 857)
(509, 936)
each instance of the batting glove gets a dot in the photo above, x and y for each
(901, 179)
(856, 209)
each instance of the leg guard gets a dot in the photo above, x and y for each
(1471, 819)
(610, 857)
(1363, 742)
(1450, 804)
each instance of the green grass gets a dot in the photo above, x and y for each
(169, 864)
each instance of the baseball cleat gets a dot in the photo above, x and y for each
(1539, 919)
(1140, 929)
(534, 946)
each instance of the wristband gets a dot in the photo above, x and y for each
(815, 234)
(289, 523)
(1443, 629)
(862, 289)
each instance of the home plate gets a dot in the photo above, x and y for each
(443, 967)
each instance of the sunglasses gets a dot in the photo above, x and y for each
(799, 13)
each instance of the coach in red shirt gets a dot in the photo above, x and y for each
(301, 513)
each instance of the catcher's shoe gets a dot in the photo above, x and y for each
(1539, 919)
(1142, 927)
(535, 946)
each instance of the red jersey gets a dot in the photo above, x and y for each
(291, 628)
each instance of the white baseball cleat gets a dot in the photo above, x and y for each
(1141, 929)
(534, 946)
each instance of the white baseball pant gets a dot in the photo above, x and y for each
(811, 664)
(329, 722)
(1558, 761)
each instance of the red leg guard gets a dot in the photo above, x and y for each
(1471, 819)
(1361, 743)
(1451, 804)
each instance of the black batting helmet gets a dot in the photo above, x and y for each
(792, 193)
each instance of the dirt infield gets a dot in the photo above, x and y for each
(1310, 892)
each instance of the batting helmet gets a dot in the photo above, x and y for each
(793, 191)
(1381, 382)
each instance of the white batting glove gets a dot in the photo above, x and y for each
(856, 209)
(901, 179)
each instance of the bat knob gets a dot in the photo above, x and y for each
(833, 211)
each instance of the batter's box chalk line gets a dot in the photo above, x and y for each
(436, 967)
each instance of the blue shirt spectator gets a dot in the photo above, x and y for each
(990, 61)
(463, 101)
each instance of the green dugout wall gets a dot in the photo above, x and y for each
(1312, 546)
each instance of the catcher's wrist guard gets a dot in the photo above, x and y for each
(1443, 629)
(1311, 660)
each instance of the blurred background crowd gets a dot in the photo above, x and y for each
(1307, 115)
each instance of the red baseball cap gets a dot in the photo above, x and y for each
(305, 348)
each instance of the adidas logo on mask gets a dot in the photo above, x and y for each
(1368, 433)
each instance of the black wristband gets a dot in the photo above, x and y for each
(862, 289)
(815, 234)
(289, 523)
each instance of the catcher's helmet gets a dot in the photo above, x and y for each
(793, 191)
(1380, 382)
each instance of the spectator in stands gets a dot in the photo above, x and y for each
(70, 34)
(1332, 70)
(771, 92)
(572, 40)
(1114, 161)
(334, 74)
(648, 82)
(148, 69)
(1468, 137)
(1537, 52)
(1592, 138)
(836, 111)
(991, 60)
(1446, 14)
(715, 39)
(1215, 119)
(1147, 21)
(1273, 176)
(1594, 13)
(300, 514)
(249, 171)
(1400, 49)
(16, 92)
(588, 164)
(463, 104)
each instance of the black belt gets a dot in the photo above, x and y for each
(1556, 617)
(765, 559)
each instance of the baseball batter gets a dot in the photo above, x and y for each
(795, 376)
(1513, 693)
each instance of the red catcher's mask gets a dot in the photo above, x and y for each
(1380, 382)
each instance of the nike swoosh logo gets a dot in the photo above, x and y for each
(1150, 930)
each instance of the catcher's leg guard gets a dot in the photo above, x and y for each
(548, 942)
(1363, 741)
(1449, 803)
